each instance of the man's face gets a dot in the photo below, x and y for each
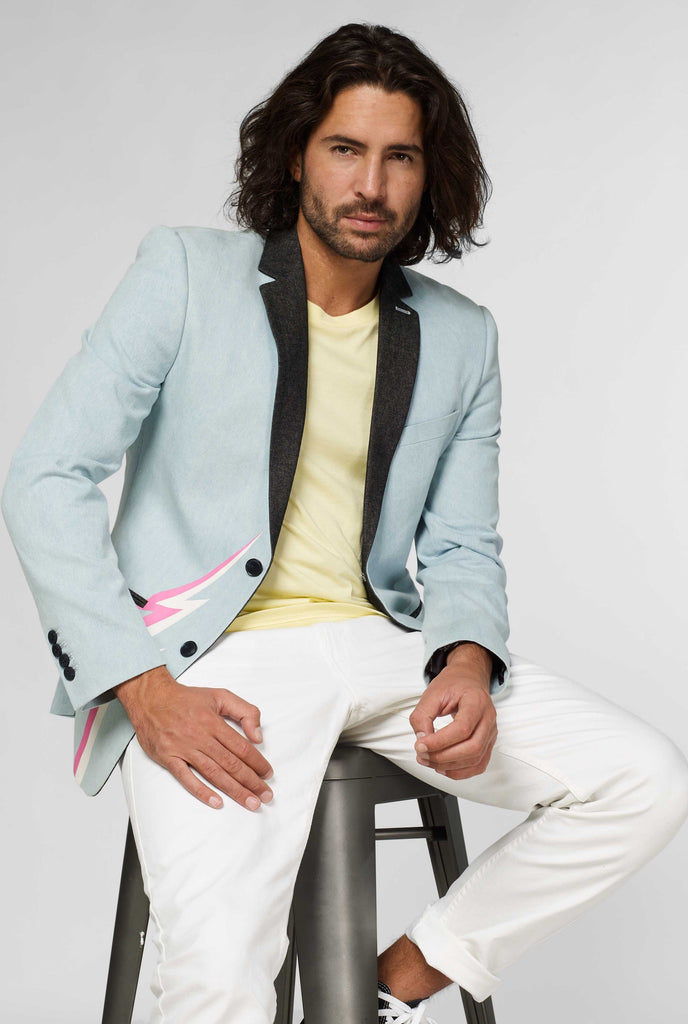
(363, 172)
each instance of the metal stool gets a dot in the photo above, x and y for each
(333, 919)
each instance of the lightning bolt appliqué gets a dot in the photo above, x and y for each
(170, 606)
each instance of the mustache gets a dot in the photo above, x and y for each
(369, 210)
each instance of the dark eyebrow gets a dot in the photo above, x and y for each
(344, 140)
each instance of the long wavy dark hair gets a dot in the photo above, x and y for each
(458, 187)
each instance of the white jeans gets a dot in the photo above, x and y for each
(603, 792)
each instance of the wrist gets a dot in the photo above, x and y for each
(474, 658)
(130, 690)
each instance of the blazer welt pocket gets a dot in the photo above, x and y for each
(427, 430)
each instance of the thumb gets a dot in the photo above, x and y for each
(423, 717)
(230, 705)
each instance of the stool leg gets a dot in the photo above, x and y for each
(286, 979)
(335, 908)
(131, 924)
(448, 858)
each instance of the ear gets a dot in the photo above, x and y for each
(295, 165)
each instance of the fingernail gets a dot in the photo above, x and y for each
(419, 734)
(421, 748)
(266, 796)
(253, 802)
(215, 801)
(267, 778)
(259, 734)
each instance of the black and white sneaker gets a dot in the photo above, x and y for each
(393, 1011)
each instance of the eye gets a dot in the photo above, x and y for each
(341, 148)
(403, 158)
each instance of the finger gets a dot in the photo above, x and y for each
(459, 748)
(468, 762)
(232, 763)
(460, 737)
(231, 705)
(237, 744)
(215, 774)
(467, 773)
(193, 784)
(459, 730)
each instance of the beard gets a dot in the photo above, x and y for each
(365, 246)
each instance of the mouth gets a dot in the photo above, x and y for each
(361, 222)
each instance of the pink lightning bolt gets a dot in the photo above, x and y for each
(168, 606)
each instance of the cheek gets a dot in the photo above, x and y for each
(412, 200)
(409, 190)
(337, 181)
(330, 185)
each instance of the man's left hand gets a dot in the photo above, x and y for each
(462, 748)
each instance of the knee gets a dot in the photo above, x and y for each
(659, 778)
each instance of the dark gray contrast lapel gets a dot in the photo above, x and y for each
(398, 347)
(397, 362)
(285, 303)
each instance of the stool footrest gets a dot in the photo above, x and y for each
(437, 833)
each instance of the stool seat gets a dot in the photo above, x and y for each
(349, 761)
(390, 782)
(332, 927)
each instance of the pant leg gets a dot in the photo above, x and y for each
(220, 882)
(603, 790)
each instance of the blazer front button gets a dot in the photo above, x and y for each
(69, 674)
(52, 637)
(57, 650)
(64, 660)
(188, 649)
(254, 567)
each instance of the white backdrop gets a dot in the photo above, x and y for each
(117, 117)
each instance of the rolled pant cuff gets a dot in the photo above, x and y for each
(443, 951)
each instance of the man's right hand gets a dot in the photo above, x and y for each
(182, 727)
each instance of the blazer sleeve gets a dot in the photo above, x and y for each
(457, 544)
(56, 514)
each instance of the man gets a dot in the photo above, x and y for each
(296, 411)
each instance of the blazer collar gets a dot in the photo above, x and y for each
(397, 362)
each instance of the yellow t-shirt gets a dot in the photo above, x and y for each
(315, 574)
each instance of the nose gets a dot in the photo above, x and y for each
(370, 182)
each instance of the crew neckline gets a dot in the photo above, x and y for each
(357, 317)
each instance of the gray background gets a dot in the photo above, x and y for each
(120, 116)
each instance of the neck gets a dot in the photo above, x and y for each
(335, 283)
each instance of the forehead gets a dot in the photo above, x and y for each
(371, 114)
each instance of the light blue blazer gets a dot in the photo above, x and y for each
(196, 370)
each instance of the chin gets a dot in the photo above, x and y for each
(365, 254)
(369, 251)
